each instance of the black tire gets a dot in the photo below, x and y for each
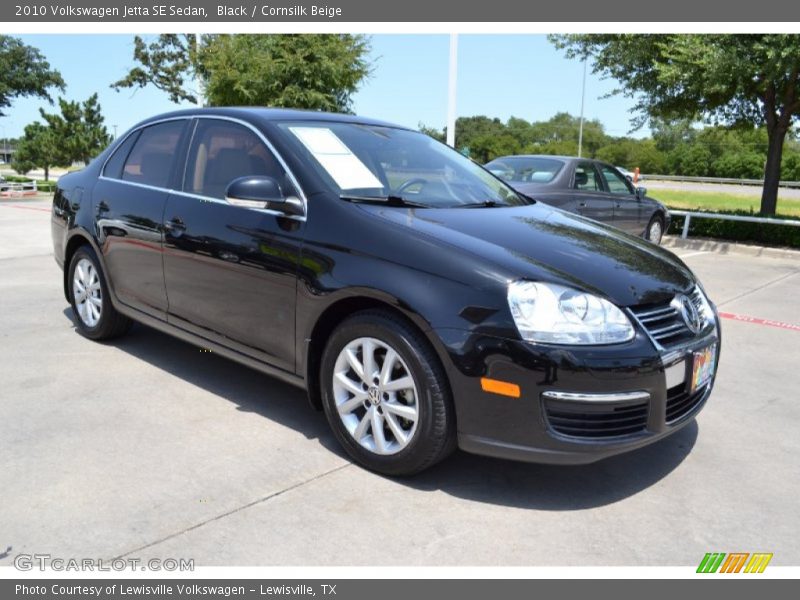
(656, 218)
(111, 323)
(435, 435)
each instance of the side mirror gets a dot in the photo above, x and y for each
(260, 191)
(641, 192)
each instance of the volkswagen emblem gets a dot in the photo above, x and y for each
(689, 313)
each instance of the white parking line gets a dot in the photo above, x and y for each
(693, 254)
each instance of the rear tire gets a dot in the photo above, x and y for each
(95, 316)
(405, 396)
(655, 229)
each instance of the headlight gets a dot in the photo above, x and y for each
(555, 314)
(704, 305)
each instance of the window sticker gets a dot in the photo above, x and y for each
(336, 158)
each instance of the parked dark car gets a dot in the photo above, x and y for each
(421, 302)
(587, 187)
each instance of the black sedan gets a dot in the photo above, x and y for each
(421, 302)
(587, 187)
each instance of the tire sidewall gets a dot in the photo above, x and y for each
(420, 447)
(660, 221)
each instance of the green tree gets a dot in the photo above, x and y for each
(735, 79)
(488, 147)
(80, 130)
(300, 71)
(24, 73)
(431, 131)
(38, 148)
(669, 133)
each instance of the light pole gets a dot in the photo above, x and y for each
(583, 98)
(451, 91)
(115, 131)
(198, 80)
(5, 144)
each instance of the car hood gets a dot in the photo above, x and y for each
(544, 243)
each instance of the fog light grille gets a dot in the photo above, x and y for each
(596, 421)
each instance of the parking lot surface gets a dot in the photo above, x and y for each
(148, 447)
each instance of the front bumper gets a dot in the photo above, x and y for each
(576, 405)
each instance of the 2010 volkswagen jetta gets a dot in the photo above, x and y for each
(422, 302)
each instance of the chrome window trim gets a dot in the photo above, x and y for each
(594, 397)
(181, 192)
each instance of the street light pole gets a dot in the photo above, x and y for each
(5, 144)
(583, 98)
(198, 80)
(451, 91)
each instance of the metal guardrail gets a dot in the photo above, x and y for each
(16, 188)
(687, 179)
(688, 215)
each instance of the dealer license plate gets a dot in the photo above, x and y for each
(703, 367)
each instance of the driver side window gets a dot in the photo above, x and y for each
(222, 151)
(617, 184)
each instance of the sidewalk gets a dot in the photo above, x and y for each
(725, 247)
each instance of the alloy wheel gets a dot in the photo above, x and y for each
(654, 235)
(87, 292)
(376, 396)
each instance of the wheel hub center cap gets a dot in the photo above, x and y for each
(374, 395)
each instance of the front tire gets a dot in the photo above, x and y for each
(655, 229)
(386, 396)
(95, 316)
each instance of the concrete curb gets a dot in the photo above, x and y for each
(723, 247)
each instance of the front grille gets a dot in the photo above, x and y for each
(680, 402)
(596, 421)
(664, 322)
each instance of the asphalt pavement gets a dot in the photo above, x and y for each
(148, 447)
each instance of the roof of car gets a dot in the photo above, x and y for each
(250, 113)
(555, 156)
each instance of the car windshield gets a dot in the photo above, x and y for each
(526, 169)
(382, 163)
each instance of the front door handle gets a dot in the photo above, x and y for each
(102, 207)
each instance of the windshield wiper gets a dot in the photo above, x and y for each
(481, 204)
(388, 200)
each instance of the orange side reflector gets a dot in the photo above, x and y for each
(503, 388)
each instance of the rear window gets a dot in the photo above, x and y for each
(526, 169)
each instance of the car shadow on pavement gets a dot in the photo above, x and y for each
(557, 487)
(246, 388)
(471, 477)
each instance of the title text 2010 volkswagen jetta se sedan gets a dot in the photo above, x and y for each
(422, 302)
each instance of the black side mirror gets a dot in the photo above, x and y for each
(641, 192)
(261, 191)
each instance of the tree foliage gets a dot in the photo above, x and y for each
(168, 63)
(300, 71)
(38, 149)
(740, 80)
(80, 130)
(675, 147)
(77, 133)
(24, 72)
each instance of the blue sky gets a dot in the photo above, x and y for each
(498, 76)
